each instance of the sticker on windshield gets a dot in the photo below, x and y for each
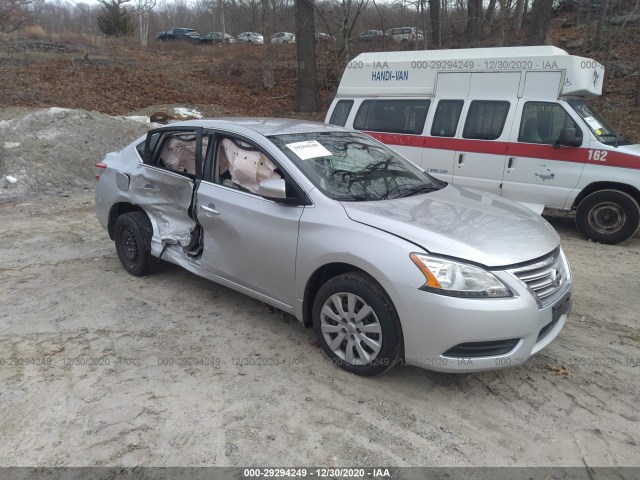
(593, 123)
(308, 149)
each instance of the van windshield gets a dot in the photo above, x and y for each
(603, 131)
(350, 166)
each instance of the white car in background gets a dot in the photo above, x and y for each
(250, 37)
(283, 37)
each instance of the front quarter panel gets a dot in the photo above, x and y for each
(328, 236)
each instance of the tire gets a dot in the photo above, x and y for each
(373, 352)
(608, 216)
(132, 234)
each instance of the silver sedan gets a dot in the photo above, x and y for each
(385, 262)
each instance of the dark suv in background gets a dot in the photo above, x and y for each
(188, 34)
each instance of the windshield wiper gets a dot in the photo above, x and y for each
(418, 189)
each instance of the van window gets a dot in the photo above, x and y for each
(485, 119)
(393, 116)
(543, 121)
(445, 121)
(341, 112)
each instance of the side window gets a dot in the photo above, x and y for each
(152, 145)
(393, 116)
(542, 122)
(241, 165)
(445, 121)
(485, 119)
(176, 151)
(341, 112)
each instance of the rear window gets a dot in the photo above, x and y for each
(392, 116)
(485, 119)
(341, 112)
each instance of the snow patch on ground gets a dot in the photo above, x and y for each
(10, 145)
(11, 179)
(187, 113)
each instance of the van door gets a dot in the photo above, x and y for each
(439, 152)
(481, 151)
(539, 171)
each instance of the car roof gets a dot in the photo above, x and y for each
(263, 125)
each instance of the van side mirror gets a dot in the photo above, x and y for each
(568, 138)
(273, 189)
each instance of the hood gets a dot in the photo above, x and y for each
(478, 227)
(631, 149)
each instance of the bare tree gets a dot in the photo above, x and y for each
(143, 9)
(474, 19)
(307, 85)
(436, 26)
(538, 28)
(517, 16)
(597, 43)
(15, 14)
(267, 57)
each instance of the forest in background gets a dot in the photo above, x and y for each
(606, 30)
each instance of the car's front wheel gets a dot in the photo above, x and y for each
(608, 216)
(357, 325)
(132, 234)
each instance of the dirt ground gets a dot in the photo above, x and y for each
(101, 368)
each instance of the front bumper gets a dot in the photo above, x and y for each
(451, 334)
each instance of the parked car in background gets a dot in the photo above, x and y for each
(188, 34)
(250, 37)
(386, 262)
(370, 36)
(405, 34)
(324, 37)
(217, 37)
(283, 37)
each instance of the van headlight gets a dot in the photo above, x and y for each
(456, 279)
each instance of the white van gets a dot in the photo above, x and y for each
(513, 121)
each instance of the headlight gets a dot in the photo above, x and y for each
(456, 279)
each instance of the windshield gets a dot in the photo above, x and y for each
(604, 132)
(350, 166)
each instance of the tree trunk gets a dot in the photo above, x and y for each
(307, 85)
(488, 15)
(597, 43)
(638, 85)
(267, 56)
(436, 28)
(538, 28)
(222, 24)
(517, 16)
(474, 19)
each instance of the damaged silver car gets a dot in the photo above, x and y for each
(385, 262)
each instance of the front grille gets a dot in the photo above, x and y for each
(544, 278)
(482, 349)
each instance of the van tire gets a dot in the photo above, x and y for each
(608, 216)
(132, 235)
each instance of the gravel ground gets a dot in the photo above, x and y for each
(101, 368)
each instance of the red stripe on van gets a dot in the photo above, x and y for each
(565, 154)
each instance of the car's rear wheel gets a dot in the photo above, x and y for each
(357, 325)
(132, 234)
(608, 216)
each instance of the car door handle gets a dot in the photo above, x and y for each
(149, 188)
(210, 209)
(460, 158)
(510, 163)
